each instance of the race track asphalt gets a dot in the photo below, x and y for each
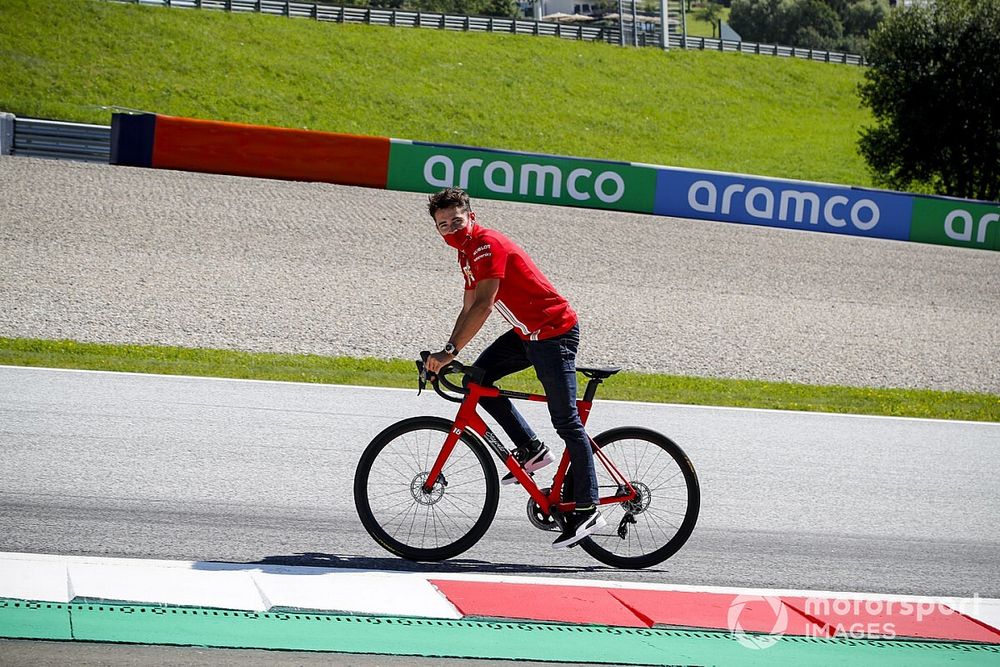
(165, 467)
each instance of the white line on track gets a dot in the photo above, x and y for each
(684, 406)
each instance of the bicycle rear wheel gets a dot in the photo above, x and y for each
(652, 527)
(400, 515)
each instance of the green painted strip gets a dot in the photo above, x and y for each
(34, 620)
(145, 624)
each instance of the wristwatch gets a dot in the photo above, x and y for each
(450, 348)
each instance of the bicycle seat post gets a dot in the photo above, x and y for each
(596, 376)
(591, 390)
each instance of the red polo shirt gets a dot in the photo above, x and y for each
(526, 298)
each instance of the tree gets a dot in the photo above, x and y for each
(758, 20)
(813, 24)
(860, 18)
(835, 25)
(710, 13)
(933, 86)
(471, 7)
(502, 8)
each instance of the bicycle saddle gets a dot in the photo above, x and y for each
(598, 373)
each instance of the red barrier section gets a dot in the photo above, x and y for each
(798, 616)
(270, 152)
(539, 602)
(720, 611)
(887, 618)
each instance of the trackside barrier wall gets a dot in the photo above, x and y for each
(522, 177)
(229, 148)
(6, 133)
(217, 147)
(782, 203)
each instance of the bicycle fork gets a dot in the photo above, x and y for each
(467, 418)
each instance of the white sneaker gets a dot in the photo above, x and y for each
(578, 526)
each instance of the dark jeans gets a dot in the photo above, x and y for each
(554, 360)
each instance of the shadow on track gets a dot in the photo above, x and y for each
(455, 565)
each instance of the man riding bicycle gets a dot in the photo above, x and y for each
(500, 275)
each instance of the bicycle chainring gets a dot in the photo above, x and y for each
(537, 517)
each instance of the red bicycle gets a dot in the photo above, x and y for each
(426, 488)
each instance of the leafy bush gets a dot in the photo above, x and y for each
(832, 25)
(933, 86)
(507, 8)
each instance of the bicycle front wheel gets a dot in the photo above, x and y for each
(652, 527)
(407, 520)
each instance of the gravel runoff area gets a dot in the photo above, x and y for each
(127, 255)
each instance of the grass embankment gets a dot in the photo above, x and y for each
(698, 27)
(400, 373)
(728, 112)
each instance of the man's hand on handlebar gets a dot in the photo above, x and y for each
(437, 361)
(431, 367)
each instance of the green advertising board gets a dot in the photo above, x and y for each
(522, 177)
(956, 223)
(621, 186)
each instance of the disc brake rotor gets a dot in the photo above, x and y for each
(643, 497)
(423, 496)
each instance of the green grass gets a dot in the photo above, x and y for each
(728, 112)
(401, 373)
(699, 28)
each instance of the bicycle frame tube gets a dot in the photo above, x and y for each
(468, 418)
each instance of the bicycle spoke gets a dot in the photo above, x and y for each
(413, 449)
(453, 486)
(640, 465)
(421, 523)
(667, 466)
(455, 473)
(656, 510)
(663, 505)
(402, 516)
(458, 507)
(663, 532)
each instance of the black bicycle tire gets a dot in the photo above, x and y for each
(380, 535)
(691, 514)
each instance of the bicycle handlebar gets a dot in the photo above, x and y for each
(441, 377)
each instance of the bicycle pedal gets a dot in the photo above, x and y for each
(510, 479)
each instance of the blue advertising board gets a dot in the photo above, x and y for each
(786, 204)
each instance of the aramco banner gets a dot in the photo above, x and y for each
(152, 140)
(956, 222)
(523, 177)
(780, 203)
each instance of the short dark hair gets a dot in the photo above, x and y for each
(447, 198)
